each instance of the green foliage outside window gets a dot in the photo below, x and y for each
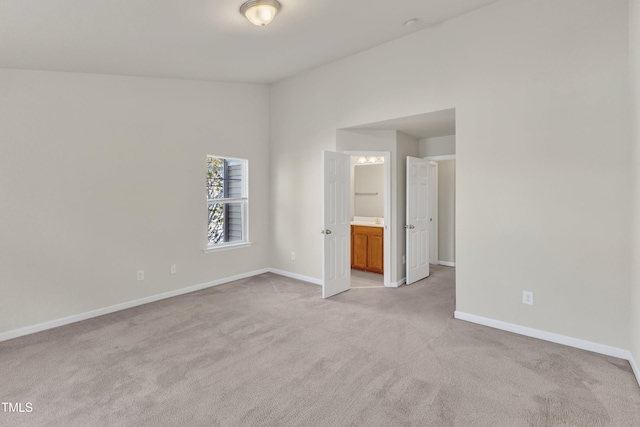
(215, 190)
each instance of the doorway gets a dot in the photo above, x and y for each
(421, 135)
(443, 241)
(370, 202)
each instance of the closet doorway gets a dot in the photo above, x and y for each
(442, 240)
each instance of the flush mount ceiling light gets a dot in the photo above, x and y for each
(260, 12)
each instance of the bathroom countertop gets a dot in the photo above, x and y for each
(366, 224)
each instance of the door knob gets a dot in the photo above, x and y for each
(327, 231)
(410, 227)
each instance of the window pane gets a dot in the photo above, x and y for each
(215, 178)
(234, 222)
(225, 222)
(224, 178)
(234, 179)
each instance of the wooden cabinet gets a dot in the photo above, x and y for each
(367, 248)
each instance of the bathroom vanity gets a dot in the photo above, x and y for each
(367, 246)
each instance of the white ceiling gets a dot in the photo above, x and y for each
(204, 39)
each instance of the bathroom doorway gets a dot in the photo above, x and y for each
(370, 201)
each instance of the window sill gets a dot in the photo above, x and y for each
(227, 247)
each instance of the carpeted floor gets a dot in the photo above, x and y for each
(269, 351)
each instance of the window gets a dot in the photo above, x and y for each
(227, 203)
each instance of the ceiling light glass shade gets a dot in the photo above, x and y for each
(374, 160)
(260, 12)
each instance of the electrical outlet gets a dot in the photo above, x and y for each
(293, 255)
(527, 297)
(403, 260)
(140, 275)
(174, 269)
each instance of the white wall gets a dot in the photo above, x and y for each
(101, 176)
(634, 51)
(537, 86)
(447, 211)
(438, 146)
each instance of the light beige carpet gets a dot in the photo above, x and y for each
(269, 351)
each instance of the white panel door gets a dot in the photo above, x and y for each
(417, 226)
(433, 213)
(336, 219)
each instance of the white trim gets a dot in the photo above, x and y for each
(634, 367)
(447, 263)
(123, 306)
(236, 200)
(398, 283)
(442, 157)
(434, 188)
(226, 247)
(244, 201)
(296, 276)
(546, 336)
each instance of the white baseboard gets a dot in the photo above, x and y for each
(4, 336)
(636, 371)
(296, 276)
(398, 283)
(547, 336)
(447, 263)
(552, 337)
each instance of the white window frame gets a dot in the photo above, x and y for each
(244, 203)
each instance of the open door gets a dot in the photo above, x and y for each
(336, 220)
(417, 226)
(433, 213)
